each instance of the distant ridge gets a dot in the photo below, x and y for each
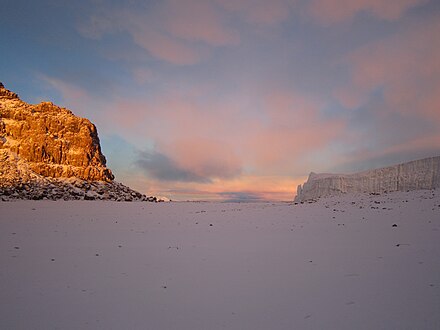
(46, 152)
(414, 175)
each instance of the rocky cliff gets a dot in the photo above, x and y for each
(419, 174)
(48, 152)
(52, 140)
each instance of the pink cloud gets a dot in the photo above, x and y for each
(429, 142)
(214, 138)
(336, 11)
(143, 75)
(166, 47)
(260, 11)
(260, 187)
(205, 156)
(177, 32)
(405, 67)
(75, 96)
(293, 130)
(349, 97)
(419, 147)
(283, 149)
(222, 144)
(197, 20)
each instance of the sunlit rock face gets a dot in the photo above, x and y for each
(46, 152)
(52, 140)
(415, 175)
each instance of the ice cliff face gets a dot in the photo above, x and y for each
(48, 152)
(418, 174)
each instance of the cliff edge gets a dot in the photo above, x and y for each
(48, 152)
(414, 175)
(52, 140)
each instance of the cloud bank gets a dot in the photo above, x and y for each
(236, 100)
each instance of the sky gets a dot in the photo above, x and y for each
(234, 100)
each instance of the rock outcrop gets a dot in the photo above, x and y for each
(48, 152)
(415, 175)
(52, 140)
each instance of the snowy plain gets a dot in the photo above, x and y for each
(352, 262)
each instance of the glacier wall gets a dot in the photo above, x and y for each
(415, 175)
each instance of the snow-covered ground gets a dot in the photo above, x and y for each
(339, 263)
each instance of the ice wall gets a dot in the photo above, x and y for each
(418, 174)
